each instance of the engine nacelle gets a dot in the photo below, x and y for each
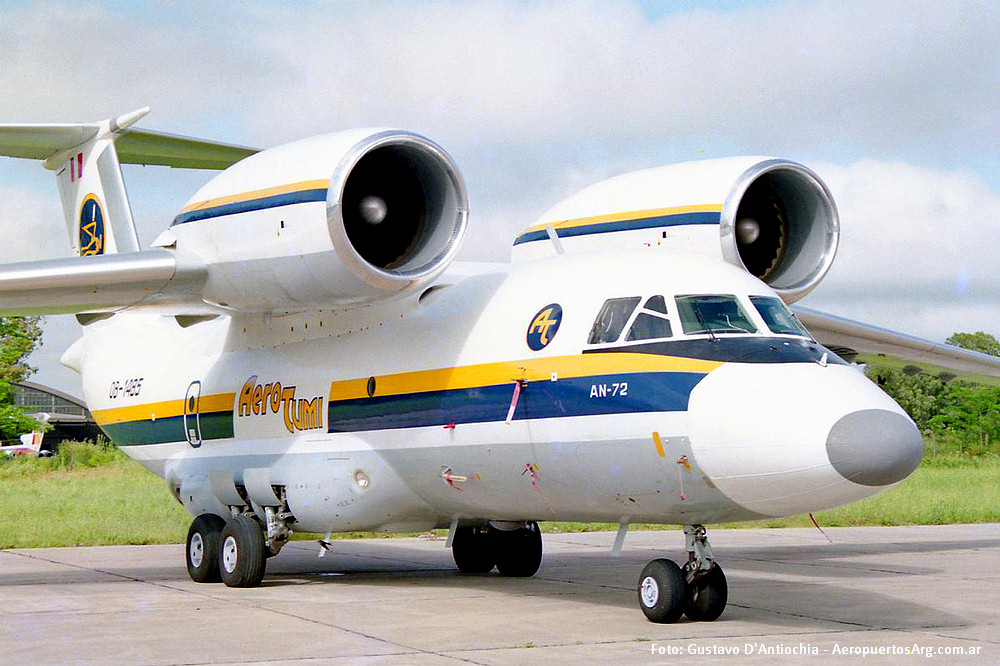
(332, 221)
(774, 218)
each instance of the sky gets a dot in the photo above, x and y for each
(894, 104)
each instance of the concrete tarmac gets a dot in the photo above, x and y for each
(793, 596)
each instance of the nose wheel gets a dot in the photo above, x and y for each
(698, 590)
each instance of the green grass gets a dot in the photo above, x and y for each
(94, 495)
(943, 491)
(86, 496)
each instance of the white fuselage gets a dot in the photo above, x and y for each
(399, 416)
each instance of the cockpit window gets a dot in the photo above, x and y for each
(647, 327)
(777, 316)
(612, 319)
(656, 304)
(713, 314)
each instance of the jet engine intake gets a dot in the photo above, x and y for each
(396, 209)
(780, 223)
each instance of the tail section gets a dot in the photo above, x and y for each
(95, 204)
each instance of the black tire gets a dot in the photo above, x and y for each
(707, 596)
(518, 552)
(202, 553)
(241, 553)
(662, 591)
(473, 550)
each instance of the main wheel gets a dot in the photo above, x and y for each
(707, 596)
(203, 548)
(473, 550)
(662, 591)
(519, 552)
(241, 553)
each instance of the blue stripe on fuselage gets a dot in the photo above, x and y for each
(579, 396)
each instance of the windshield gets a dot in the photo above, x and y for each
(777, 316)
(713, 314)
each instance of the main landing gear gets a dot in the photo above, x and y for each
(515, 549)
(698, 590)
(235, 551)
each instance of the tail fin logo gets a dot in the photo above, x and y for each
(91, 227)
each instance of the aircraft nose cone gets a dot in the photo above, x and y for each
(874, 447)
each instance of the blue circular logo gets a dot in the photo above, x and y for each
(91, 227)
(543, 326)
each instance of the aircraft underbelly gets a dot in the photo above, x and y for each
(418, 478)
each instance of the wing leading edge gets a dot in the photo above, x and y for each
(107, 283)
(848, 335)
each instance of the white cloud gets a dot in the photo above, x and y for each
(33, 224)
(882, 77)
(919, 248)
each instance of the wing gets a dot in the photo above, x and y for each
(106, 283)
(847, 337)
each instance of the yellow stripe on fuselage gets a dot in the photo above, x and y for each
(256, 194)
(535, 369)
(630, 215)
(207, 403)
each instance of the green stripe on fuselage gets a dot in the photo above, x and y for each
(214, 425)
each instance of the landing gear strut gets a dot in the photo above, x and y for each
(698, 590)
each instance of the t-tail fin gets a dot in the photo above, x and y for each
(95, 204)
(83, 155)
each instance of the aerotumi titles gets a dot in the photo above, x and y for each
(297, 413)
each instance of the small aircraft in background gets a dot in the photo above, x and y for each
(31, 445)
(299, 350)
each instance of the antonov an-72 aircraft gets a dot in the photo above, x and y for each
(299, 351)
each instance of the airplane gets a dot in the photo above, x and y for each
(299, 350)
(31, 444)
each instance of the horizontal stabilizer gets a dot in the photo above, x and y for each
(105, 283)
(159, 148)
(844, 335)
(38, 142)
(134, 146)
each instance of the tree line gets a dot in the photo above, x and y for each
(956, 415)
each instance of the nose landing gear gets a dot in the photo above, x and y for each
(698, 590)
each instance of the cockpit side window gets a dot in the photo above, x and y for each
(777, 316)
(648, 327)
(656, 304)
(715, 314)
(612, 319)
(651, 322)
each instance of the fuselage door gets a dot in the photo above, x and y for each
(192, 422)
